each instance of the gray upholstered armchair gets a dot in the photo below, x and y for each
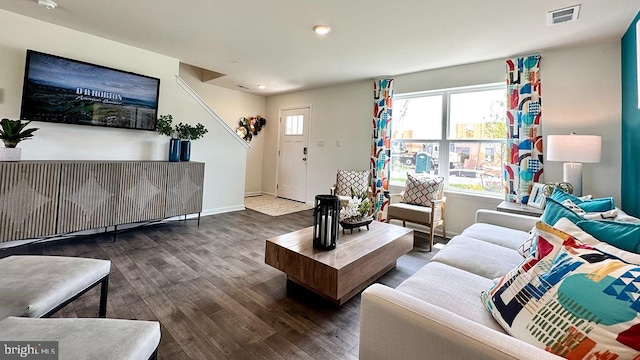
(422, 202)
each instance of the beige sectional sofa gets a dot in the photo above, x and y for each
(437, 312)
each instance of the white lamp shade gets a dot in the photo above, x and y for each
(574, 148)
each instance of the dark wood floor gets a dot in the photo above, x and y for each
(213, 294)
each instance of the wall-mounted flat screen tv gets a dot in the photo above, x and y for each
(62, 90)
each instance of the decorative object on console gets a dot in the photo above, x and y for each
(549, 187)
(537, 197)
(574, 150)
(181, 136)
(325, 222)
(250, 127)
(165, 127)
(11, 133)
(356, 212)
(188, 133)
(47, 4)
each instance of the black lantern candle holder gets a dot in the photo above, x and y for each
(326, 217)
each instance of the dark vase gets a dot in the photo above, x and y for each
(174, 150)
(185, 150)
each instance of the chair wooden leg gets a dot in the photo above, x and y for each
(444, 231)
(431, 238)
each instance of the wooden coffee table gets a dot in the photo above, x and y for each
(356, 262)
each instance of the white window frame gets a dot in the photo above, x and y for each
(444, 142)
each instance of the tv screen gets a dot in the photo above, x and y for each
(68, 91)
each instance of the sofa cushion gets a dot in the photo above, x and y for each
(575, 301)
(497, 235)
(478, 257)
(422, 190)
(451, 289)
(411, 213)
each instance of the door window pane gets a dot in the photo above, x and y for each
(293, 125)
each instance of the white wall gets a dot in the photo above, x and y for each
(340, 113)
(581, 93)
(231, 105)
(75, 142)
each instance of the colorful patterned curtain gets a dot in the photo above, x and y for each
(524, 163)
(381, 145)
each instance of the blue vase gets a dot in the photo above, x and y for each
(185, 150)
(174, 150)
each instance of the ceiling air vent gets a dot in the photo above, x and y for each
(563, 15)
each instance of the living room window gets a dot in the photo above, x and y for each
(464, 128)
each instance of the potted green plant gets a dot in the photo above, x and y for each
(188, 133)
(164, 126)
(11, 133)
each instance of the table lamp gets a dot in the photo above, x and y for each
(574, 150)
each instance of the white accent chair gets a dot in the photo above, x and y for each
(431, 216)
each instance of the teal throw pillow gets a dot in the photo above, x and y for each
(560, 195)
(555, 211)
(623, 235)
(595, 205)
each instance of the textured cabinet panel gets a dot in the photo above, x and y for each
(143, 189)
(28, 200)
(43, 198)
(88, 195)
(184, 188)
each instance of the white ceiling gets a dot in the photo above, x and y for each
(273, 44)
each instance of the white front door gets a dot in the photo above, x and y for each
(294, 143)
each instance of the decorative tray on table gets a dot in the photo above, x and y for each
(355, 224)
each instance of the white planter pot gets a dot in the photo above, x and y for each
(10, 154)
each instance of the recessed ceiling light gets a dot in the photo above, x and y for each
(49, 4)
(321, 29)
(262, 86)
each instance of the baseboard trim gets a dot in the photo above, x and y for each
(252, 193)
(208, 212)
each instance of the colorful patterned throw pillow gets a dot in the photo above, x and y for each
(571, 299)
(528, 246)
(422, 190)
(347, 179)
